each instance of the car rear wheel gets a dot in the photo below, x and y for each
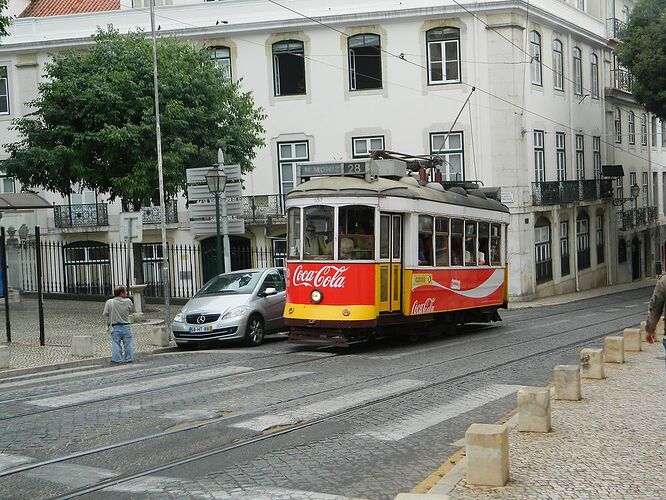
(254, 332)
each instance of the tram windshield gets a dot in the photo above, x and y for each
(318, 234)
(356, 232)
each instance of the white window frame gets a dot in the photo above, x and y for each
(446, 41)
(618, 126)
(594, 76)
(558, 65)
(580, 156)
(289, 161)
(561, 156)
(221, 55)
(539, 156)
(367, 143)
(578, 71)
(653, 130)
(351, 55)
(4, 90)
(447, 153)
(643, 129)
(646, 187)
(631, 123)
(535, 63)
(596, 156)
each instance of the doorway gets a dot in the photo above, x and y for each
(635, 258)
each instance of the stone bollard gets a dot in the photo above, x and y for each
(82, 346)
(592, 363)
(632, 339)
(614, 349)
(567, 382)
(534, 409)
(160, 337)
(4, 357)
(487, 448)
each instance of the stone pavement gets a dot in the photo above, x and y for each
(62, 320)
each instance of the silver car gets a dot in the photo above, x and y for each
(240, 305)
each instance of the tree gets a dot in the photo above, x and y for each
(642, 52)
(94, 121)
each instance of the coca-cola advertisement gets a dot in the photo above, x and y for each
(340, 284)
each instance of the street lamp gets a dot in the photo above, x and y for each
(216, 179)
(633, 194)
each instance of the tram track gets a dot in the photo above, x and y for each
(348, 411)
(125, 478)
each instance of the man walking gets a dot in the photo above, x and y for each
(656, 310)
(117, 311)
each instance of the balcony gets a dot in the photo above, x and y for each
(259, 208)
(636, 217)
(559, 192)
(69, 216)
(622, 80)
(153, 214)
(615, 28)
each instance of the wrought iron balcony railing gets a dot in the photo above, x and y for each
(615, 28)
(260, 207)
(636, 217)
(92, 215)
(153, 214)
(621, 79)
(558, 192)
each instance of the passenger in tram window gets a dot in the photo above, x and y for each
(425, 249)
(456, 242)
(470, 244)
(484, 233)
(314, 245)
(363, 242)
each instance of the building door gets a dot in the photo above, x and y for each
(240, 255)
(635, 258)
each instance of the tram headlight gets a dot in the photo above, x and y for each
(316, 296)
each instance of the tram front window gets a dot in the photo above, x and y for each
(356, 233)
(318, 233)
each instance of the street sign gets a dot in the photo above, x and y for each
(131, 227)
(208, 227)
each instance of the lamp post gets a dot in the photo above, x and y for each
(216, 179)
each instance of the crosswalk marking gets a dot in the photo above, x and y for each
(120, 389)
(328, 406)
(400, 429)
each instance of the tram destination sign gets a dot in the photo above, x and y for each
(334, 168)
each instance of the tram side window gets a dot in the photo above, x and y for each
(356, 232)
(495, 244)
(318, 234)
(470, 243)
(384, 236)
(294, 235)
(441, 241)
(425, 240)
(484, 234)
(456, 242)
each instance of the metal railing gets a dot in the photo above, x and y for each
(95, 214)
(636, 217)
(260, 208)
(153, 214)
(622, 79)
(615, 28)
(558, 192)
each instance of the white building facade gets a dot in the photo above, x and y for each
(338, 80)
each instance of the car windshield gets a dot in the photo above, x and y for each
(231, 283)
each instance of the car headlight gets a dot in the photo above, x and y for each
(316, 296)
(235, 312)
(180, 317)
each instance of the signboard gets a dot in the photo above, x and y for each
(506, 196)
(208, 227)
(341, 168)
(131, 227)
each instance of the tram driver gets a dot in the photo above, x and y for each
(313, 244)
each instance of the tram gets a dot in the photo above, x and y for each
(373, 251)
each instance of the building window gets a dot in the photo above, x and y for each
(618, 126)
(632, 182)
(443, 45)
(4, 91)
(653, 130)
(580, 4)
(564, 248)
(578, 71)
(594, 76)
(580, 157)
(365, 63)
(600, 240)
(290, 153)
(632, 127)
(222, 57)
(449, 147)
(619, 189)
(289, 68)
(535, 52)
(643, 130)
(361, 146)
(583, 240)
(7, 184)
(558, 65)
(645, 192)
(596, 156)
(542, 250)
(561, 156)
(539, 160)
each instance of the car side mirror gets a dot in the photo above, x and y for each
(269, 291)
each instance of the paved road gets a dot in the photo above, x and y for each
(283, 421)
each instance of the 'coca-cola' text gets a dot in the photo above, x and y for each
(325, 277)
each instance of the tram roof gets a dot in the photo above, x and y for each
(354, 186)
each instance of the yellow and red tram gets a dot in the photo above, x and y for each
(372, 251)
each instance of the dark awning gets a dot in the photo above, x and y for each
(22, 201)
(612, 171)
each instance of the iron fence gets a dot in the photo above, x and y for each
(615, 28)
(557, 192)
(90, 215)
(153, 214)
(622, 80)
(636, 217)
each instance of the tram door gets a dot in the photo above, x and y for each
(390, 265)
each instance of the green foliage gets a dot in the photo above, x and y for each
(94, 121)
(5, 21)
(643, 53)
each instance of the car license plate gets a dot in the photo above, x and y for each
(199, 329)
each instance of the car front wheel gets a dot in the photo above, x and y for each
(254, 332)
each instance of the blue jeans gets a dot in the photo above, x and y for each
(121, 335)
